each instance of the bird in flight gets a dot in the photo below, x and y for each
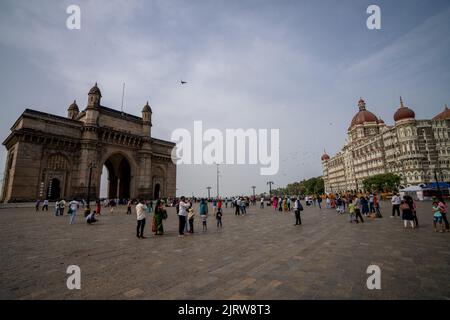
(183, 82)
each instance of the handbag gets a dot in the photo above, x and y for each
(164, 214)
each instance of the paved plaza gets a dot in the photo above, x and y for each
(258, 256)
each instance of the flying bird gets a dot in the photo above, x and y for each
(183, 82)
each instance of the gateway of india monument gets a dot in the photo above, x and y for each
(54, 157)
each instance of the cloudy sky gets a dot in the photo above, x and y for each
(299, 66)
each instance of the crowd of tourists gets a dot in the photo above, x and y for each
(357, 207)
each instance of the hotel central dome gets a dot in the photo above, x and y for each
(363, 115)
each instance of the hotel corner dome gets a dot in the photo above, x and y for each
(95, 90)
(444, 115)
(363, 115)
(325, 157)
(403, 112)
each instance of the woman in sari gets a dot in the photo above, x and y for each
(157, 226)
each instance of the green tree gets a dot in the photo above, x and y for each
(386, 182)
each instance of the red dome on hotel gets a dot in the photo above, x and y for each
(363, 115)
(403, 112)
(325, 157)
(444, 115)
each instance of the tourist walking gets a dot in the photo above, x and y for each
(219, 218)
(237, 206)
(203, 209)
(38, 203)
(62, 206)
(73, 207)
(129, 204)
(407, 213)
(98, 207)
(376, 205)
(298, 208)
(319, 201)
(443, 210)
(243, 206)
(191, 217)
(396, 201)
(371, 203)
(351, 211)
(158, 217)
(437, 216)
(182, 214)
(45, 206)
(364, 205)
(261, 204)
(358, 208)
(140, 215)
(56, 208)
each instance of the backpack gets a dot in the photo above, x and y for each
(164, 214)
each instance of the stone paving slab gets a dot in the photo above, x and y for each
(257, 256)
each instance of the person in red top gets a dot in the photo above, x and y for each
(219, 204)
(376, 206)
(98, 207)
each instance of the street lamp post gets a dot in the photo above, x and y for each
(209, 192)
(270, 188)
(437, 183)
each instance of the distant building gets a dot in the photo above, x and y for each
(413, 149)
(49, 156)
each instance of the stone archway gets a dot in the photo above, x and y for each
(159, 182)
(119, 177)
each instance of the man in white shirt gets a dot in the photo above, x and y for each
(73, 205)
(182, 214)
(297, 208)
(396, 201)
(140, 213)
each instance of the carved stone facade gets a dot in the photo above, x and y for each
(413, 149)
(49, 156)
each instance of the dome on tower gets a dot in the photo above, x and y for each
(95, 90)
(363, 115)
(325, 156)
(147, 108)
(444, 115)
(74, 106)
(403, 112)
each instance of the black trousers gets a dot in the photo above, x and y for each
(444, 217)
(395, 208)
(129, 210)
(182, 225)
(358, 214)
(237, 211)
(140, 228)
(298, 219)
(45, 207)
(416, 221)
(219, 222)
(191, 225)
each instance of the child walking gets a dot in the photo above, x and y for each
(351, 211)
(437, 217)
(204, 223)
(219, 218)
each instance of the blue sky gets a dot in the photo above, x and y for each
(299, 66)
